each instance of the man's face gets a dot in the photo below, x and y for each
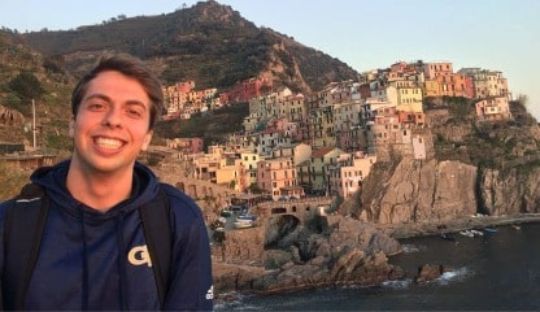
(112, 123)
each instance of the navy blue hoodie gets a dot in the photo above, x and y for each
(96, 261)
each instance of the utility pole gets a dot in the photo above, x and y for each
(34, 130)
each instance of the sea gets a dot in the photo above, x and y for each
(497, 271)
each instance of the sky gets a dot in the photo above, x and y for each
(500, 35)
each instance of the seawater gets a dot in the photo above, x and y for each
(499, 271)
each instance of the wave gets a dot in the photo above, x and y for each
(454, 275)
(237, 304)
(398, 284)
(410, 248)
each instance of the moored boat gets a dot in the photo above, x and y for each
(243, 224)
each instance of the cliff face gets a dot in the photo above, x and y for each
(417, 191)
(491, 168)
(513, 192)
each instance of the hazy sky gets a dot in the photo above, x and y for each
(494, 34)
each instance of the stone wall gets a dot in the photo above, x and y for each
(244, 246)
(209, 196)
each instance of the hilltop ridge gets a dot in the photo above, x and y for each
(209, 43)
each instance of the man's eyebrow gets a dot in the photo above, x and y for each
(109, 100)
(135, 103)
(98, 96)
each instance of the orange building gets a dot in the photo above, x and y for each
(411, 118)
(434, 70)
(276, 176)
(455, 85)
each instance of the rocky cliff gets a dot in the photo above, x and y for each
(487, 167)
(512, 192)
(417, 191)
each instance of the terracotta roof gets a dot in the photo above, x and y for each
(321, 151)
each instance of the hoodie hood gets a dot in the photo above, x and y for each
(53, 179)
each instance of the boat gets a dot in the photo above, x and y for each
(246, 217)
(467, 233)
(517, 227)
(477, 233)
(490, 230)
(243, 224)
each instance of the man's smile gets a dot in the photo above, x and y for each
(108, 142)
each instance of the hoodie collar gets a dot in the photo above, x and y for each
(53, 180)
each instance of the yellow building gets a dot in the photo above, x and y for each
(432, 88)
(249, 161)
(407, 99)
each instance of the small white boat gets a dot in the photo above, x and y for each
(477, 233)
(243, 224)
(246, 217)
(517, 227)
(467, 233)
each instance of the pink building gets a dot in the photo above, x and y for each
(245, 90)
(434, 70)
(187, 145)
(185, 86)
(492, 109)
(347, 175)
(277, 177)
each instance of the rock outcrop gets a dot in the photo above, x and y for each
(512, 192)
(428, 272)
(350, 252)
(10, 117)
(419, 191)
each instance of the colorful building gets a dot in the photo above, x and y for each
(493, 109)
(346, 176)
(276, 175)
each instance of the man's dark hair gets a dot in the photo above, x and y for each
(131, 67)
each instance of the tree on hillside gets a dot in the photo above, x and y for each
(26, 86)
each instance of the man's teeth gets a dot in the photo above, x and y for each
(108, 143)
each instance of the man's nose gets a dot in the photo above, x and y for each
(113, 118)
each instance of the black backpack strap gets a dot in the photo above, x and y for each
(155, 217)
(23, 229)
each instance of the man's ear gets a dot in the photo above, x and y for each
(72, 127)
(146, 141)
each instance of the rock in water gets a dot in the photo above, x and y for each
(429, 272)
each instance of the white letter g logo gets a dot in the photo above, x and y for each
(139, 255)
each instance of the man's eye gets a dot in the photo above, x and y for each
(134, 113)
(96, 106)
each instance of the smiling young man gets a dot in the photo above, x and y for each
(93, 250)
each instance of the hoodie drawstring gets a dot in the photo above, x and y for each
(84, 287)
(121, 261)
